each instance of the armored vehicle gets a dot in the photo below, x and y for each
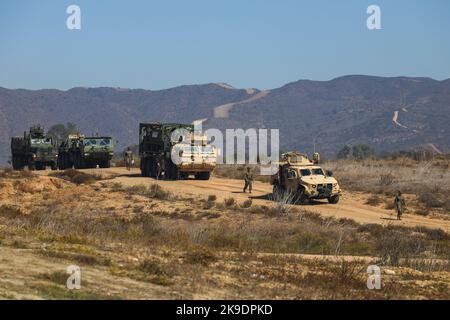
(304, 179)
(175, 151)
(34, 150)
(83, 152)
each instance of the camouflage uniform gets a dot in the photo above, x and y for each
(248, 178)
(159, 167)
(399, 205)
(128, 158)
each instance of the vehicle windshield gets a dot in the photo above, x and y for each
(41, 141)
(295, 159)
(198, 149)
(190, 149)
(97, 142)
(208, 149)
(305, 172)
(318, 171)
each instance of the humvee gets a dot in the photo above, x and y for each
(304, 179)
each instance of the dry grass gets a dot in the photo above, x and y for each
(250, 246)
(8, 173)
(77, 177)
(238, 172)
(154, 191)
(428, 181)
(388, 176)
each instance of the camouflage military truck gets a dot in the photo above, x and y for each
(160, 143)
(304, 179)
(34, 150)
(83, 152)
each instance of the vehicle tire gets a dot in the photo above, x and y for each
(54, 166)
(142, 166)
(105, 164)
(333, 199)
(203, 175)
(148, 168)
(14, 163)
(184, 176)
(174, 174)
(76, 163)
(62, 162)
(22, 163)
(79, 163)
(152, 169)
(40, 166)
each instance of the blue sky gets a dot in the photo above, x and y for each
(262, 44)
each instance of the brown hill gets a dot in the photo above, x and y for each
(346, 110)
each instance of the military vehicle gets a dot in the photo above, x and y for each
(34, 150)
(304, 179)
(175, 151)
(83, 152)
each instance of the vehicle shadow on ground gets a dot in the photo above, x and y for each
(269, 197)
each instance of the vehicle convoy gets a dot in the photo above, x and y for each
(83, 152)
(175, 151)
(34, 150)
(304, 179)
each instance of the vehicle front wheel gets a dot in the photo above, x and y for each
(203, 176)
(333, 199)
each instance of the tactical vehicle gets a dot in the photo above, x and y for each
(83, 152)
(175, 151)
(34, 150)
(304, 179)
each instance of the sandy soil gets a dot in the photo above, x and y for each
(352, 205)
(33, 267)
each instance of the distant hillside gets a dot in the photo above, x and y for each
(388, 113)
(353, 110)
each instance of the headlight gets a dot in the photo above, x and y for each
(86, 154)
(314, 186)
(34, 156)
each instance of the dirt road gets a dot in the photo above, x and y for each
(352, 206)
(224, 110)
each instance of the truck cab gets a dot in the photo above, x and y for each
(175, 151)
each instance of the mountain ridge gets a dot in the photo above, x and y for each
(345, 110)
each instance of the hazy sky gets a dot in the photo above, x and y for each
(263, 44)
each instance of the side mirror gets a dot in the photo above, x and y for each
(329, 173)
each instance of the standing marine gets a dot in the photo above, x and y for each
(248, 179)
(128, 157)
(399, 205)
